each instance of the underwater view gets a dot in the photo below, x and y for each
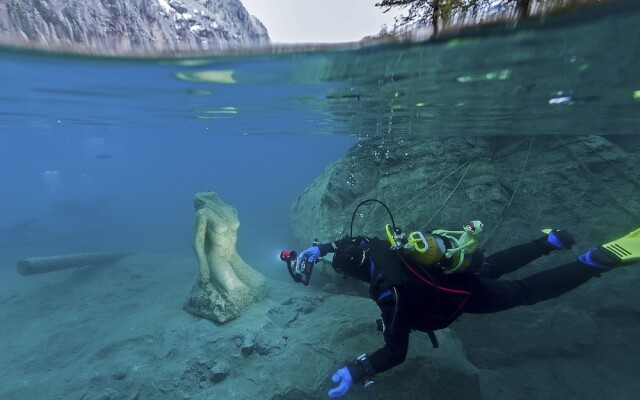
(146, 203)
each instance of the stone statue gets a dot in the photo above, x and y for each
(226, 285)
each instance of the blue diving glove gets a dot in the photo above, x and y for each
(310, 255)
(343, 378)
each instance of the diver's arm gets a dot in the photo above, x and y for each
(445, 232)
(331, 247)
(326, 248)
(317, 251)
(397, 323)
(397, 326)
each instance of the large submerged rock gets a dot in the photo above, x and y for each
(130, 26)
(515, 185)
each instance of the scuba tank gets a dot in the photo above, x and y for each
(444, 251)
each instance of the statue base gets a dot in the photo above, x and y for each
(206, 302)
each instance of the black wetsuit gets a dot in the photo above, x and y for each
(412, 300)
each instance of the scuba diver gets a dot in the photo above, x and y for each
(421, 282)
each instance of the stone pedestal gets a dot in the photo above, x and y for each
(226, 285)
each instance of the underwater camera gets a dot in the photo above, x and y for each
(304, 270)
(289, 256)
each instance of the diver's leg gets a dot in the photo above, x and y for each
(511, 259)
(491, 295)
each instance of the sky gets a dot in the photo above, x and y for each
(319, 21)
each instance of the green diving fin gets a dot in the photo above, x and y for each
(624, 250)
(546, 231)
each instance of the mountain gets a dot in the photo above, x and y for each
(130, 26)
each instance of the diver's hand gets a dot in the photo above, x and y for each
(310, 255)
(343, 378)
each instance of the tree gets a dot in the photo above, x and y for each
(419, 12)
(435, 13)
(522, 9)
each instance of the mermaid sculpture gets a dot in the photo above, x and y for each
(226, 285)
